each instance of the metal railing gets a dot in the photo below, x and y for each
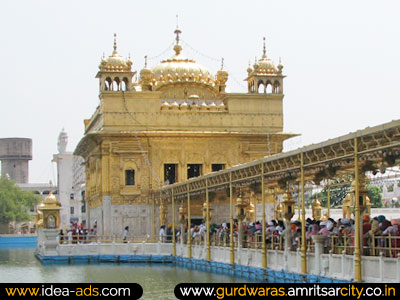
(102, 239)
(388, 246)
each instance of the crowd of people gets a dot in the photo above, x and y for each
(78, 233)
(340, 231)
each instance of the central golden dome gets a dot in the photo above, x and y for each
(180, 69)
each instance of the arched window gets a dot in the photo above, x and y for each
(125, 85)
(107, 84)
(268, 88)
(116, 84)
(276, 87)
(261, 87)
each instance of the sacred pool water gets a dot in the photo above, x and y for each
(157, 280)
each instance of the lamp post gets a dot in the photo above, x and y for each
(288, 206)
(250, 213)
(346, 207)
(363, 199)
(316, 209)
(279, 212)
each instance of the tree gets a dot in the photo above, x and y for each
(338, 193)
(338, 190)
(14, 202)
(375, 195)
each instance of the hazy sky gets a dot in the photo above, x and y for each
(341, 58)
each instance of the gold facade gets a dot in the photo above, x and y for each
(176, 113)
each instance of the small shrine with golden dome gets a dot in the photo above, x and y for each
(48, 213)
(170, 122)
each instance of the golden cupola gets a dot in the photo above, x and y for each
(179, 77)
(264, 77)
(222, 78)
(115, 62)
(146, 77)
(115, 72)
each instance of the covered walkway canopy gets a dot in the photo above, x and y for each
(355, 154)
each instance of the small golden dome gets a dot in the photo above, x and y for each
(222, 75)
(316, 203)
(165, 104)
(115, 62)
(175, 105)
(184, 105)
(145, 71)
(324, 218)
(50, 199)
(264, 65)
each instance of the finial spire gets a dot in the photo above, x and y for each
(264, 48)
(177, 32)
(222, 63)
(177, 47)
(115, 44)
(145, 61)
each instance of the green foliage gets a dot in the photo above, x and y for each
(375, 195)
(337, 194)
(15, 203)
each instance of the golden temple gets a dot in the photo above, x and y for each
(170, 123)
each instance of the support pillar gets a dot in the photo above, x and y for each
(208, 257)
(329, 201)
(303, 218)
(232, 251)
(264, 246)
(189, 235)
(173, 223)
(154, 219)
(357, 250)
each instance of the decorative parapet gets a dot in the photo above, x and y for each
(193, 105)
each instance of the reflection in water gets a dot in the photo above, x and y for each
(157, 280)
